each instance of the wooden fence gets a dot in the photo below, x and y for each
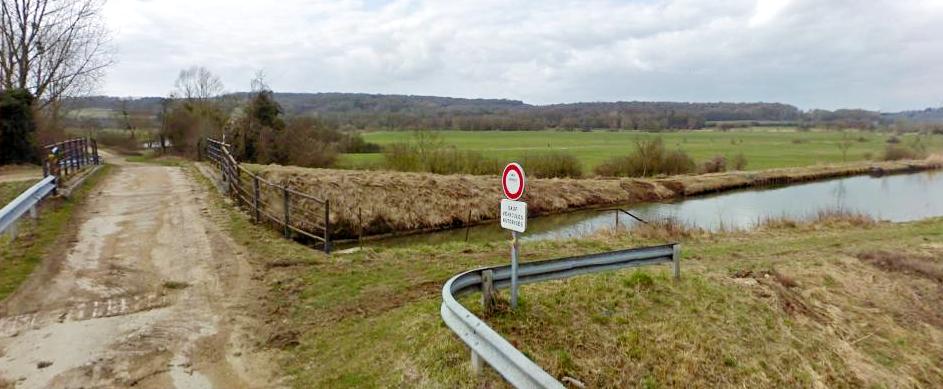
(291, 211)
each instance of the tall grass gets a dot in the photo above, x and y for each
(649, 158)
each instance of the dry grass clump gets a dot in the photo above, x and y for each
(668, 230)
(822, 217)
(901, 262)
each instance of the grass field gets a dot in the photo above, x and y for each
(792, 305)
(764, 148)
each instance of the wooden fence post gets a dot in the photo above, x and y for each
(327, 226)
(65, 159)
(255, 199)
(467, 225)
(287, 203)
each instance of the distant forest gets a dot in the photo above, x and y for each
(401, 112)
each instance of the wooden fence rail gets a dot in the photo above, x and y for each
(291, 211)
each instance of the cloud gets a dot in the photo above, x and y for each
(882, 54)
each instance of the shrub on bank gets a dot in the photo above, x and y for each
(717, 164)
(555, 164)
(648, 159)
(896, 152)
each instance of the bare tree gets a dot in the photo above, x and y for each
(52, 48)
(197, 84)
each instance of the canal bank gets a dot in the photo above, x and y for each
(384, 204)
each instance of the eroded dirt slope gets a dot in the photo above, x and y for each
(148, 293)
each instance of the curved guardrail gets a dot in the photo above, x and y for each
(487, 344)
(25, 202)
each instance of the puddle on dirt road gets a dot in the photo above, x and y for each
(897, 198)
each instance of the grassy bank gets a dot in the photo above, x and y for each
(788, 305)
(400, 202)
(764, 148)
(10, 190)
(18, 258)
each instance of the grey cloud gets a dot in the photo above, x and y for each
(828, 54)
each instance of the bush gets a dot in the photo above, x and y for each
(893, 140)
(896, 152)
(17, 127)
(295, 145)
(553, 165)
(650, 158)
(739, 162)
(715, 165)
(353, 143)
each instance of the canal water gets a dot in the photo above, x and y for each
(897, 198)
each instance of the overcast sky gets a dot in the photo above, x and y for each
(885, 55)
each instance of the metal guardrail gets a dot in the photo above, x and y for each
(487, 344)
(25, 202)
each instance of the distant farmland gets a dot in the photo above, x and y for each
(764, 148)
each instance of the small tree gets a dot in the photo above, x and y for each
(844, 145)
(17, 127)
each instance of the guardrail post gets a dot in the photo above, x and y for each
(327, 226)
(477, 364)
(287, 203)
(487, 291)
(617, 218)
(676, 260)
(12, 230)
(255, 198)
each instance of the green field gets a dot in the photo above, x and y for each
(764, 148)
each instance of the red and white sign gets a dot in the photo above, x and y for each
(512, 181)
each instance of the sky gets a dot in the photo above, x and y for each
(878, 54)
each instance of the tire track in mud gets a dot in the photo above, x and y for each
(149, 293)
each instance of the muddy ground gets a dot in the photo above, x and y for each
(147, 292)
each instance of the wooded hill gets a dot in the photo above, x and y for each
(395, 112)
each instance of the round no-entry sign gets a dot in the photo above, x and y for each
(512, 181)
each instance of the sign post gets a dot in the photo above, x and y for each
(513, 216)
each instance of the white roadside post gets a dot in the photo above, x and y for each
(513, 216)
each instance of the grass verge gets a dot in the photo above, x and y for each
(10, 190)
(791, 304)
(19, 257)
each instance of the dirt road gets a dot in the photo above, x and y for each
(149, 293)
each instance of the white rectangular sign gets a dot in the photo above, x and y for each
(513, 215)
